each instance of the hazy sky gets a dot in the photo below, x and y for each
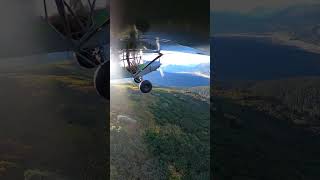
(247, 5)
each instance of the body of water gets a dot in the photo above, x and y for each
(243, 58)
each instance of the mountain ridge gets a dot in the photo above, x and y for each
(300, 22)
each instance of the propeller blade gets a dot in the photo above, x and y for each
(161, 72)
(158, 44)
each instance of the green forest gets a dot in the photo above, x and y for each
(266, 129)
(168, 127)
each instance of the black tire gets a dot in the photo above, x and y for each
(102, 80)
(145, 86)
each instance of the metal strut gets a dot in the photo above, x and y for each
(62, 13)
(86, 37)
(160, 54)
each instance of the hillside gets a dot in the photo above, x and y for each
(267, 129)
(158, 135)
(52, 123)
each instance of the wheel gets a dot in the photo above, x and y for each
(145, 86)
(102, 80)
(137, 80)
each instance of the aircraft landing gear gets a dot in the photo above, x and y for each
(102, 80)
(83, 61)
(90, 57)
(138, 80)
(145, 86)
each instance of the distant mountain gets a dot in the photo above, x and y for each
(177, 79)
(232, 22)
(203, 69)
(300, 22)
(179, 76)
(200, 69)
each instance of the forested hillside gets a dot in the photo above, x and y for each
(266, 129)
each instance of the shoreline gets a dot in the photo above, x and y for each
(278, 38)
